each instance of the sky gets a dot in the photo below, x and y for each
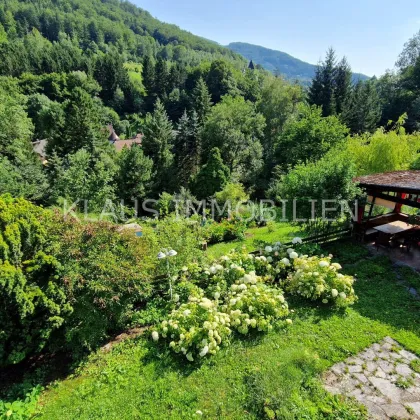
(370, 33)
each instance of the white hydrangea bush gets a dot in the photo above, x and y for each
(251, 304)
(317, 278)
(195, 329)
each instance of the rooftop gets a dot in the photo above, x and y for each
(404, 181)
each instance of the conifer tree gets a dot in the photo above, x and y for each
(362, 111)
(162, 80)
(342, 84)
(157, 144)
(188, 147)
(213, 176)
(133, 175)
(322, 89)
(148, 75)
(201, 100)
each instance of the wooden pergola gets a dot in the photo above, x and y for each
(391, 190)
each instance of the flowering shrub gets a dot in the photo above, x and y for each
(317, 278)
(195, 328)
(252, 304)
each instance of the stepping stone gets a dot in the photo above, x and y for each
(373, 382)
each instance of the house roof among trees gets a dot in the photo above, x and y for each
(401, 181)
(120, 144)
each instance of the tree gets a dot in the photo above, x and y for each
(82, 127)
(343, 84)
(111, 75)
(85, 176)
(410, 53)
(201, 100)
(187, 148)
(213, 176)
(279, 102)
(162, 78)
(133, 175)
(236, 128)
(362, 110)
(157, 144)
(322, 91)
(309, 136)
(21, 170)
(220, 80)
(331, 177)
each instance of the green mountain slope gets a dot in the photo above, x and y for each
(92, 26)
(280, 62)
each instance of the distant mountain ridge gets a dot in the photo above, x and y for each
(280, 62)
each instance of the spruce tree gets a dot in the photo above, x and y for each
(162, 80)
(213, 176)
(201, 100)
(362, 111)
(188, 147)
(157, 144)
(343, 84)
(133, 175)
(148, 75)
(322, 89)
(328, 82)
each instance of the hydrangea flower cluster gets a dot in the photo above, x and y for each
(195, 328)
(253, 304)
(318, 278)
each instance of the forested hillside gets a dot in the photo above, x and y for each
(279, 62)
(79, 75)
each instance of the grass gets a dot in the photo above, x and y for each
(278, 231)
(270, 376)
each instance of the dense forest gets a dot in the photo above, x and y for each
(71, 69)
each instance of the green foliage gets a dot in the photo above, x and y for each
(322, 91)
(134, 174)
(225, 230)
(384, 151)
(213, 176)
(33, 302)
(235, 127)
(309, 137)
(104, 273)
(22, 408)
(317, 278)
(329, 178)
(362, 109)
(157, 144)
(83, 176)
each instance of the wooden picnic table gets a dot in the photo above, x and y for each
(394, 228)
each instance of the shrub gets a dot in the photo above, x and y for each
(317, 278)
(31, 296)
(196, 328)
(226, 230)
(252, 304)
(104, 274)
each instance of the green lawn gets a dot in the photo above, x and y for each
(254, 377)
(278, 232)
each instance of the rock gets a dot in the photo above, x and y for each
(395, 411)
(416, 407)
(403, 370)
(386, 388)
(409, 356)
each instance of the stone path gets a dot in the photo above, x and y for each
(384, 377)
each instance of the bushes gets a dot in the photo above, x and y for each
(104, 273)
(32, 300)
(318, 279)
(242, 293)
(64, 284)
(226, 230)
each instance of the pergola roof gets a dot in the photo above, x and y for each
(399, 181)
